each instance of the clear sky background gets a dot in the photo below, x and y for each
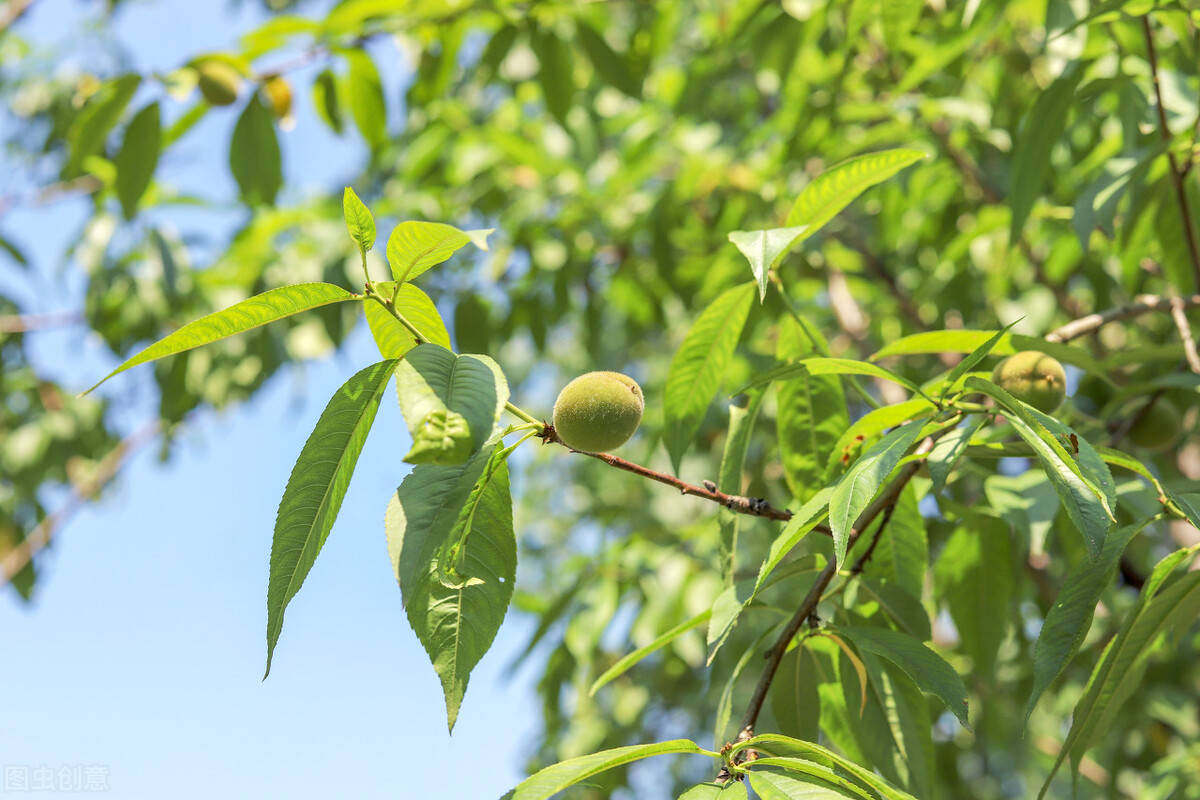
(143, 649)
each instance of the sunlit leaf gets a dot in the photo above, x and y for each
(836, 187)
(1039, 131)
(138, 158)
(359, 221)
(555, 778)
(392, 338)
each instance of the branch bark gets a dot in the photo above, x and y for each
(1143, 304)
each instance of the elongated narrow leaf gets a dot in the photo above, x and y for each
(240, 317)
(905, 714)
(725, 701)
(975, 576)
(848, 366)
(838, 186)
(900, 606)
(799, 526)
(1086, 503)
(415, 247)
(359, 221)
(1124, 661)
(254, 158)
(608, 63)
(901, 556)
(964, 341)
(1039, 131)
(763, 249)
(973, 358)
(774, 743)
(733, 790)
(793, 697)
(555, 73)
(926, 668)
(138, 158)
(1069, 618)
(729, 480)
(364, 94)
(699, 366)
(316, 487)
(450, 402)
(870, 425)
(450, 537)
(858, 487)
(811, 415)
(391, 337)
(949, 449)
(553, 779)
(771, 785)
(627, 661)
(100, 115)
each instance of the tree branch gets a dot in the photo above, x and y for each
(1185, 334)
(1143, 304)
(39, 538)
(1176, 174)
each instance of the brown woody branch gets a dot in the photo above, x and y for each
(883, 502)
(39, 538)
(1189, 233)
(1185, 334)
(1143, 304)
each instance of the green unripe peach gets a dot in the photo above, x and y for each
(219, 82)
(598, 411)
(1034, 378)
(1158, 428)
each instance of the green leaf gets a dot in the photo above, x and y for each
(138, 158)
(555, 73)
(364, 93)
(774, 743)
(949, 449)
(248, 314)
(450, 402)
(699, 366)
(415, 247)
(325, 100)
(870, 425)
(725, 701)
(974, 575)
(451, 541)
(555, 778)
(858, 487)
(1039, 131)
(902, 555)
(359, 221)
(729, 477)
(838, 186)
(926, 668)
(799, 526)
(899, 605)
(974, 357)
(1068, 620)
(609, 64)
(964, 341)
(1121, 666)
(625, 662)
(811, 416)
(316, 487)
(1086, 503)
(98, 117)
(254, 156)
(763, 249)
(733, 790)
(771, 785)
(849, 366)
(392, 338)
(793, 696)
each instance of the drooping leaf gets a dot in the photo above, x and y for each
(1123, 662)
(774, 743)
(608, 63)
(858, 487)
(763, 249)
(699, 365)
(870, 425)
(903, 608)
(972, 359)
(926, 668)
(901, 555)
(250, 313)
(627, 661)
(771, 785)
(325, 100)
(733, 790)
(949, 449)
(793, 696)
(838, 186)
(138, 158)
(316, 487)
(555, 73)
(392, 338)
(811, 416)
(364, 94)
(1085, 502)
(100, 115)
(733, 460)
(415, 247)
(254, 158)
(1039, 131)
(974, 574)
(1068, 620)
(553, 779)
(802, 522)
(450, 537)
(450, 402)
(359, 221)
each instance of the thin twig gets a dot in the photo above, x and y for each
(1143, 304)
(39, 538)
(1176, 173)
(1185, 334)
(808, 606)
(861, 563)
(12, 11)
(23, 323)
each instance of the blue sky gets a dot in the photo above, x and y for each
(143, 650)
